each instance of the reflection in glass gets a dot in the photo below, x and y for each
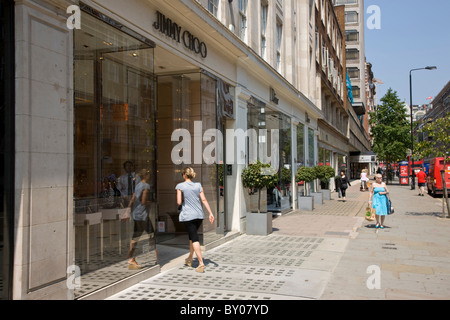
(114, 141)
(262, 117)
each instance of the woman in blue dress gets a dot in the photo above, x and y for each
(379, 200)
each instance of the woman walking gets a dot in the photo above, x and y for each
(190, 197)
(140, 204)
(343, 184)
(378, 199)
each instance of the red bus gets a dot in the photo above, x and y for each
(434, 178)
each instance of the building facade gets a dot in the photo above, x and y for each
(106, 90)
(330, 74)
(438, 108)
(356, 68)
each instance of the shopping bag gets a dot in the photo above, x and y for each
(390, 208)
(370, 214)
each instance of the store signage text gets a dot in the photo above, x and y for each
(174, 31)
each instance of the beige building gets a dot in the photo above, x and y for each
(359, 139)
(99, 84)
(104, 91)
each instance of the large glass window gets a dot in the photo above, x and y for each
(311, 148)
(187, 103)
(264, 120)
(114, 146)
(300, 145)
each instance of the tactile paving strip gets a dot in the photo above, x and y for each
(249, 267)
(155, 292)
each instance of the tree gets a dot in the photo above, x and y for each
(305, 174)
(324, 174)
(437, 139)
(258, 176)
(390, 129)
(436, 144)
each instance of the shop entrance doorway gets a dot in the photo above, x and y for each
(188, 102)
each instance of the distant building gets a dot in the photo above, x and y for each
(438, 108)
(363, 86)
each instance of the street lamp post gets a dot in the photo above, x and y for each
(413, 174)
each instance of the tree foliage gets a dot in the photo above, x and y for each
(258, 176)
(390, 128)
(305, 174)
(324, 173)
(437, 139)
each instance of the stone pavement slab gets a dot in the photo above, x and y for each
(330, 253)
(411, 253)
(276, 267)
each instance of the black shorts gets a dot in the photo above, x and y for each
(191, 228)
(421, 184)
(140, 227)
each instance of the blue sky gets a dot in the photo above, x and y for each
(413, 34)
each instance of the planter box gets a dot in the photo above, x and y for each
(305, 203)
(318, 197)
(259, 224)
(326, 194)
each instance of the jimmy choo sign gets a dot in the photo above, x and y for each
(174, 31)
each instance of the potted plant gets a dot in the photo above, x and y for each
(324, 174)
(258, 176)
(307, 175)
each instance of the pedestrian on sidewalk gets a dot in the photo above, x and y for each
(421, 181)
(344, 183)
(190, 197)
(378, 199)
(364, 179)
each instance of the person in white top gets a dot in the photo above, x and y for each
(364, 180)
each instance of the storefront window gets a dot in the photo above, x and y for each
(311, 148)
(324, 157)
(260, 116)
(300, 145)
(186, 101)
(115, 155)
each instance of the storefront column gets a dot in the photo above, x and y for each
(44, 151)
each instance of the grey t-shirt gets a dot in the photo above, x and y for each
(191, 206)
(139, 210)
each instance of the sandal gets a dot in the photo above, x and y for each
(188, 262)
(200, 268)
(133, 265)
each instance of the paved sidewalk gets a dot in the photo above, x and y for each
(322, 254)
(412, 254)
